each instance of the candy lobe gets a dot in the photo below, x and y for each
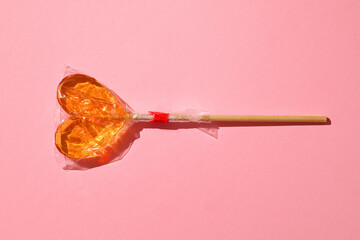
(82, 95)
(80, 138)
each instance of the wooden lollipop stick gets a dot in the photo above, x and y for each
(235, 118)
(264, 118)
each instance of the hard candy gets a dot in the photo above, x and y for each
(96, 117)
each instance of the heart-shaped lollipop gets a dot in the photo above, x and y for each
(97, 118)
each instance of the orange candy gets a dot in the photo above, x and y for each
(96, 117)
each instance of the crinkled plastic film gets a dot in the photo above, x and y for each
(196, 117)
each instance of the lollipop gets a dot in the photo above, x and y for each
(98, 118)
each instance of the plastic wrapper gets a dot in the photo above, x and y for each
(196, 116)
(96, 127)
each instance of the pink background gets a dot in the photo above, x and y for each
(226, 57)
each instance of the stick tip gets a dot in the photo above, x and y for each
(328, 121)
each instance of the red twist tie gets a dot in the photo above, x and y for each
(160, 117)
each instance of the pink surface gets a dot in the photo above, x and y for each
(226, 57)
